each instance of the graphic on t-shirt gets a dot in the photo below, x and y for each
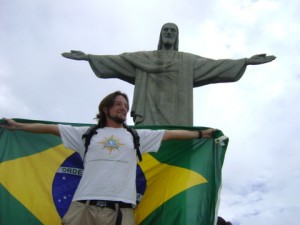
(111, 144)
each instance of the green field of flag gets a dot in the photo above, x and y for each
(178, 185)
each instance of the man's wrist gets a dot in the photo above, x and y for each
(199, 134)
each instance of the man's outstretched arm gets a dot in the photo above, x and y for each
(187, 134)
(31, 127)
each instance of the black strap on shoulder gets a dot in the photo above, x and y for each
(88, 136)
(136, 141)
(93, 130)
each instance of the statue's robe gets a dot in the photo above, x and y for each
(164, 81)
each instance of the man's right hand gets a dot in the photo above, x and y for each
(8, 124)
(76, 55)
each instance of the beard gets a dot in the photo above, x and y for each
(116, 118)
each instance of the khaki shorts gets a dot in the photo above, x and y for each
(84, 214)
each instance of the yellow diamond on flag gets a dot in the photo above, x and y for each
(29, 179)
(166, 181)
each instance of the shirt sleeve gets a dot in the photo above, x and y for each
(209, 71)
(72, 137)
(150, 140)
(112, 66)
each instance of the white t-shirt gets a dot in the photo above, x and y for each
(110, 163)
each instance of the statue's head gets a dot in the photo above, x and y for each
(169, 37)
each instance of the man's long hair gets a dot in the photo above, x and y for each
(159, 47)
(108, 102)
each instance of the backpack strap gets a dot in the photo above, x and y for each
(88, 136)
(136, 141)
(92, 131)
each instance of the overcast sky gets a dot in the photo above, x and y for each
(260, 113)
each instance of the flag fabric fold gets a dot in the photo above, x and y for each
(177, 185)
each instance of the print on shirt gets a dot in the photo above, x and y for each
(111, 144)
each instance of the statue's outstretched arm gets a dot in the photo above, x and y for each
(76, 55)
(259, 59)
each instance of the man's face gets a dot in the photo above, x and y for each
(118, 111)
(169, 34)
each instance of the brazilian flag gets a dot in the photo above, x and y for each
(178, 185)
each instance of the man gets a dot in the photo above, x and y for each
(107, 193)
(164, 79)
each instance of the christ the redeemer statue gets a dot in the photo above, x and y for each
(164, 79)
